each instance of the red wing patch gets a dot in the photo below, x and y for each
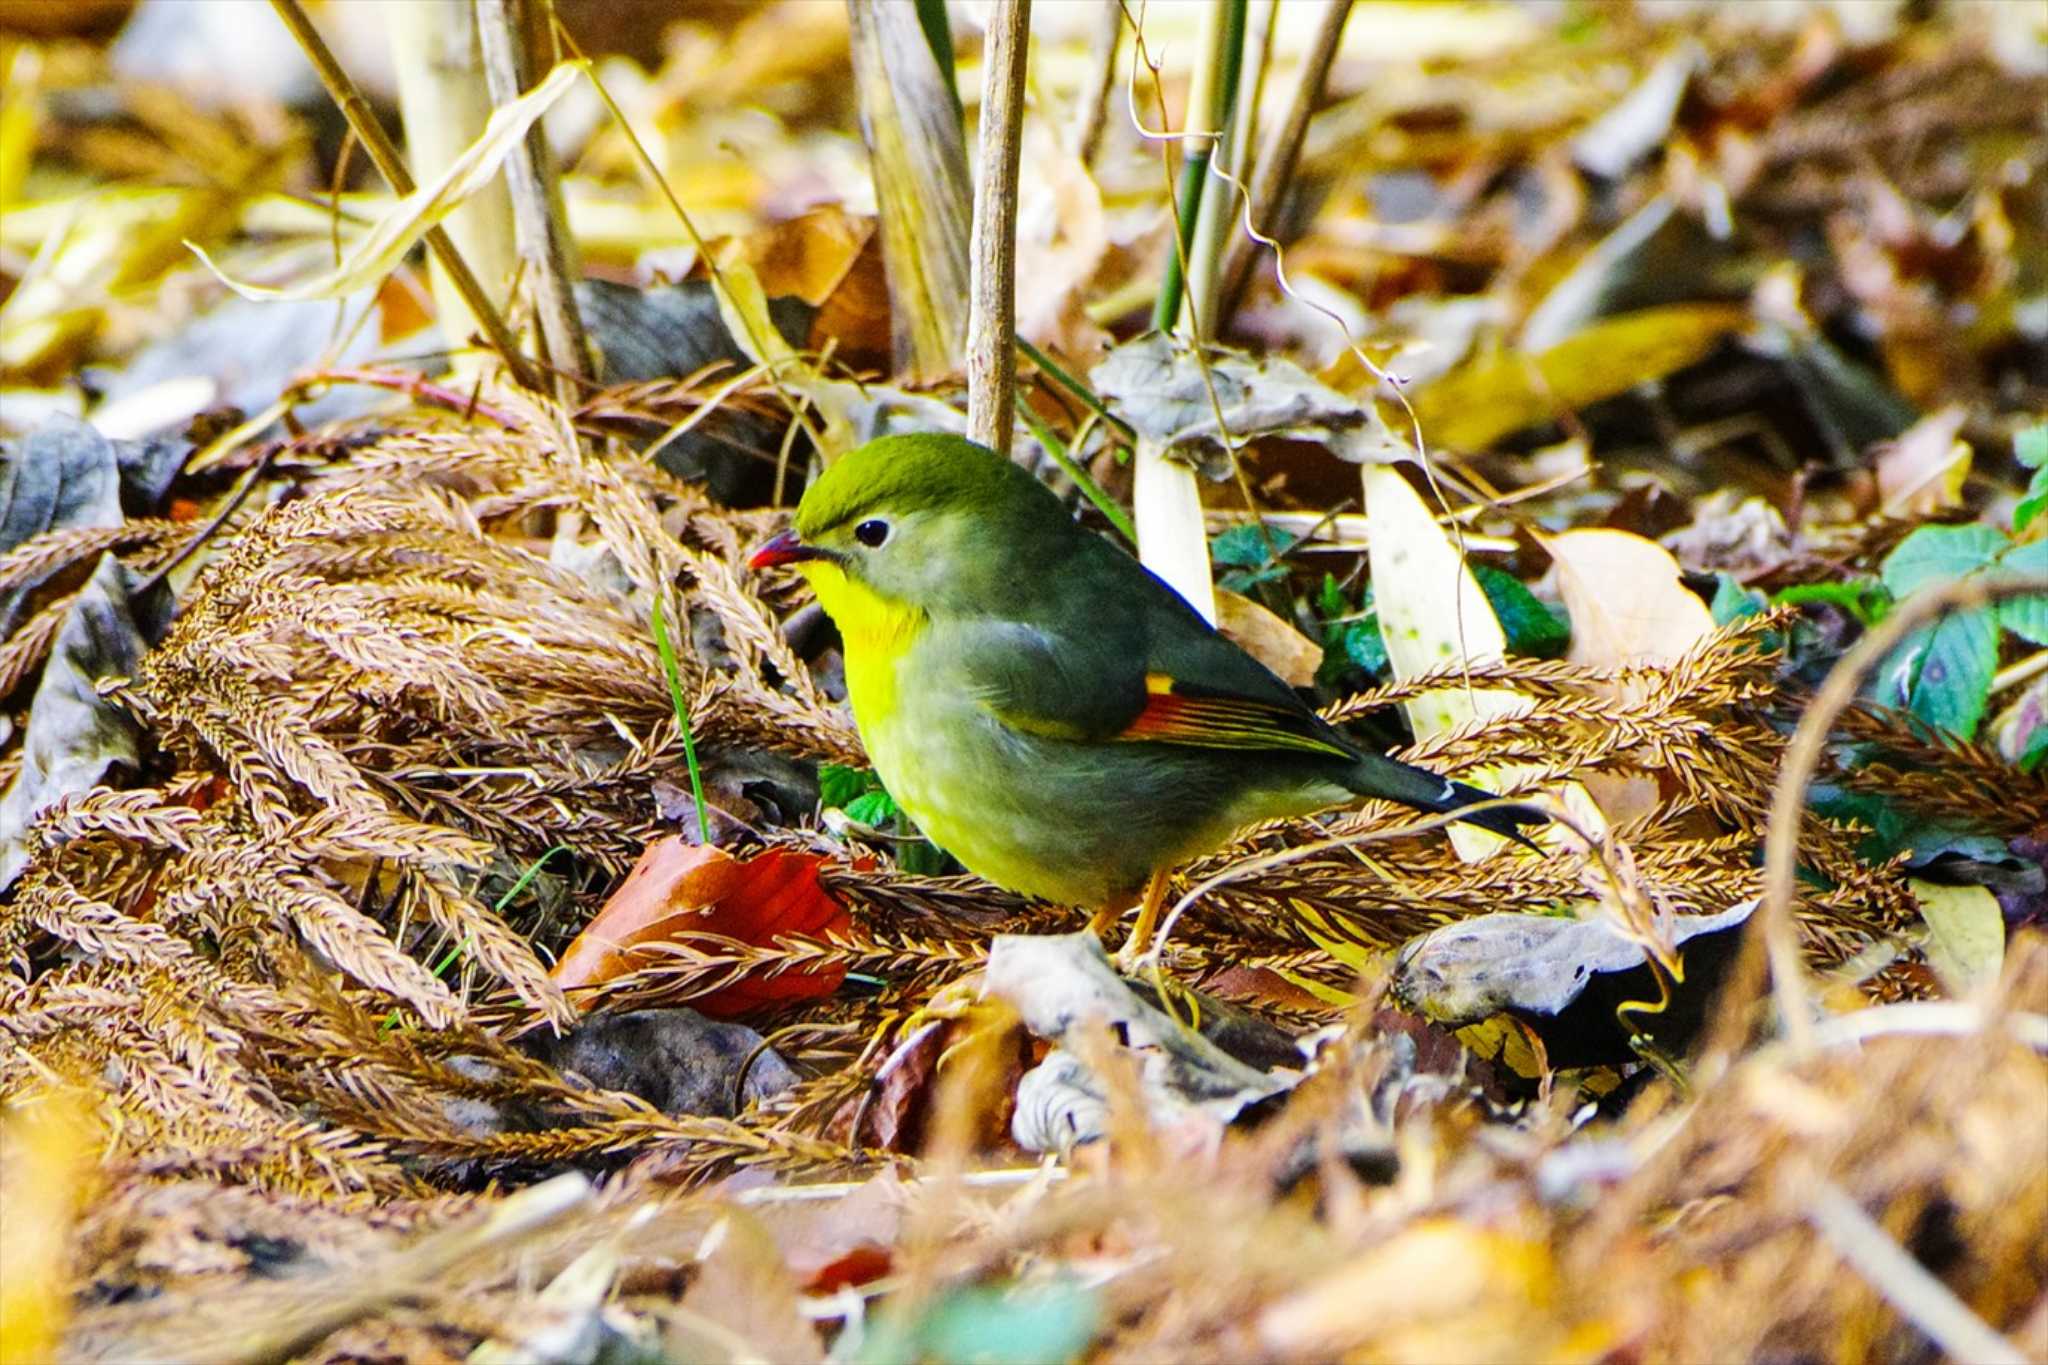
(1219, 722)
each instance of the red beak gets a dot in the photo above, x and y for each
(783, 549)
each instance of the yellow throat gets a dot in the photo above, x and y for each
(874, 631)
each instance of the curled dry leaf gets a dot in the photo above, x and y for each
(1566, 977)
(1625, 599)
(76, 739)
(680, 891)
(1060, 983)
(1267, 637)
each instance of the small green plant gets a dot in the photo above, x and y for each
(1942, 672)
(675, 696)
(859, 795)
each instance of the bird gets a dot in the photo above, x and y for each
(1047, 709)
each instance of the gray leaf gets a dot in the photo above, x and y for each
(1160, 390)
(63, 475)
(75, 739)
(1481, 967)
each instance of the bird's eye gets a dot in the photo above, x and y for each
(872, 533)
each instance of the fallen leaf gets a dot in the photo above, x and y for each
(806, 257)
(1625, 599)
(1965, 934)
(1923, 470)
(1432, 613)
(1565, 977)
(63, 476)
(1060, 983)
(676, 1059)
(1488, 398)
(1267, 637)
(743, 1286)
(680, 893)
(76, 739)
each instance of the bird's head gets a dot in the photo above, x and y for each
(927, 521)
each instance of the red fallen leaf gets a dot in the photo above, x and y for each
(855, 1266)
(678, 891)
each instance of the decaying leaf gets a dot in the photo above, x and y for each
(1626, 602)
(680, 893)
(65, 476)
(1965, 934)
(77, 740)
(676, 1059)
(1160, 388)
(1269, 639)
(1488, 398)
(1567, 976)
(1063, 982)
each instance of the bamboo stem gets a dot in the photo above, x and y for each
(992, 319)
(445, 104)
(1282, 152)
(910, 120)
(545, 247)
(1216, 219)
(363, 122)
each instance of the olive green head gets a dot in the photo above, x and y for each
(929, 520)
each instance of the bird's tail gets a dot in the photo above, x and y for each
(1377, 775)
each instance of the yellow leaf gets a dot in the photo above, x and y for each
(46, 1151)
(1965, 934)
(1494, 395)
(377, 252)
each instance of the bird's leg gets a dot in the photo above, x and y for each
(1104, 919)
(1140, 940)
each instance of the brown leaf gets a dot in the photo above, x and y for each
(1268, 638)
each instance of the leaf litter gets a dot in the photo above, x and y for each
(327, 947)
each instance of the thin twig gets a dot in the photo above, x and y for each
(356, 110)
(544, 242)
(1091, 105)
(992, 316)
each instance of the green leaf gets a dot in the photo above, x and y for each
(1940, 554)
(1732, 601)
(1942, 673)
(1330, 599)
(1532, 627)
(2031, 446)
(1245, 546)
(838, 784)
(2037, 751)
(875, 809)
(2026, 617)
(1863, 598)
(988, 1326)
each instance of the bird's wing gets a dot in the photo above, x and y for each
(1144, 667)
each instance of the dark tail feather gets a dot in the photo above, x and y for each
(1379, 776)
